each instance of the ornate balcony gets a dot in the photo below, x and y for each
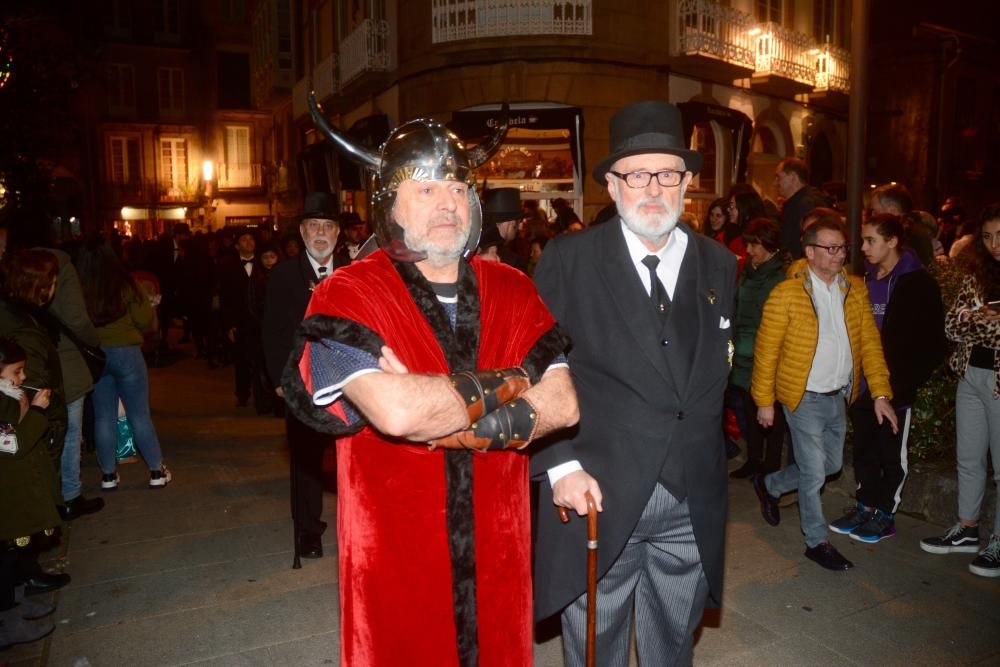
(833, 78)
(784, 61)
(713, 41)
(367, 49)
(455, 20)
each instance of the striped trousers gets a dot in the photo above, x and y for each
(659, 575)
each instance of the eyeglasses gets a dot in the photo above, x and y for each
(833, 249)
(731, 206)
(315, 226)
(667, 178)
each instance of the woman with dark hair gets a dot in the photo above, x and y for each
(716, 219)
(765, 268)
(30, 283)
(121, 312)
(906, 303)
(973, 324)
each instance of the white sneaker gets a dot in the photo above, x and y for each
(159, 478)
(109, 482)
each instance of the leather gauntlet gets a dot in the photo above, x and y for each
(485, 391)
(511, 426)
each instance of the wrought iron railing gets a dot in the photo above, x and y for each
(833, 69)
(784, 52)
(704, 27)
(454, 20)
(365, 50)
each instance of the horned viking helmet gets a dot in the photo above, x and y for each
(422, 150)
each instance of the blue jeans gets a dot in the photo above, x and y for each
(818, 426)
(70, 468)
(125, 377)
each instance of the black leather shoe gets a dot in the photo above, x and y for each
(45, 583)
(310, 545)
(827, 556)
(80, 506)
(768, 503)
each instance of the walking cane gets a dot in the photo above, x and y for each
(591, 575)
(294, 475)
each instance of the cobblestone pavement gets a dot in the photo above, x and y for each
(199, 572)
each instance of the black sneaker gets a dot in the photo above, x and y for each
(109, 482)
(880, 526)
(853, 517)
(159, 478)
(958, 539)
(987, 563)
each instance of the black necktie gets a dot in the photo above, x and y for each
(657, 293)
(321, 271)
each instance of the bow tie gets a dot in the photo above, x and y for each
(247, 261)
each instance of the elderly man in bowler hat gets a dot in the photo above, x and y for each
(289, 288)
(647, 303)
(501, 215)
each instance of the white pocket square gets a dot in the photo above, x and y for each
(723, 323)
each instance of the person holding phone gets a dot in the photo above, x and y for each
(973, 324)
(906, 304)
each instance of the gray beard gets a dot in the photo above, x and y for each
(319, 258)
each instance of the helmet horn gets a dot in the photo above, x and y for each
(484, 151)
(355, 151)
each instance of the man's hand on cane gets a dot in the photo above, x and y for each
(570, 491)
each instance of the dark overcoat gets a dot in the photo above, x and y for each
(643, 387)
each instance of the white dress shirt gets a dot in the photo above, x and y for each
(316, 265)
(833, 364)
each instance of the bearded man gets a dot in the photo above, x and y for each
(647, 303)
(435, 371)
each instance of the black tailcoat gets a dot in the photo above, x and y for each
(638, 397)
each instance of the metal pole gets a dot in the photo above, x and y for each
(856, 125)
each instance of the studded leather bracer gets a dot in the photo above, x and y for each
(485, 391)
(511, 426)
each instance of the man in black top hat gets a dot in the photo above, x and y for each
(647, 303)
(289, 288)
(501, 216)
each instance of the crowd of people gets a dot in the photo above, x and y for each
(439, 359)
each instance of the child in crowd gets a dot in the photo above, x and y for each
(29, 492)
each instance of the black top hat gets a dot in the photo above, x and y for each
(647, 127)
(501, 205)
(320, 206)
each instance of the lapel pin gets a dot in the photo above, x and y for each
(711, 296)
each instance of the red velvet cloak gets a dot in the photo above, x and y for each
(395, 570)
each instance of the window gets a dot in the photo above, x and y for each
(823, 21)
(121, 88)
(123, 159)
(119, 18)
(168, 16)
(173, 165)
(171, 83)
(234, 80)
(769, 10)
(237, 171)
(233, 10)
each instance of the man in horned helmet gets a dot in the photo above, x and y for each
(434, 370)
